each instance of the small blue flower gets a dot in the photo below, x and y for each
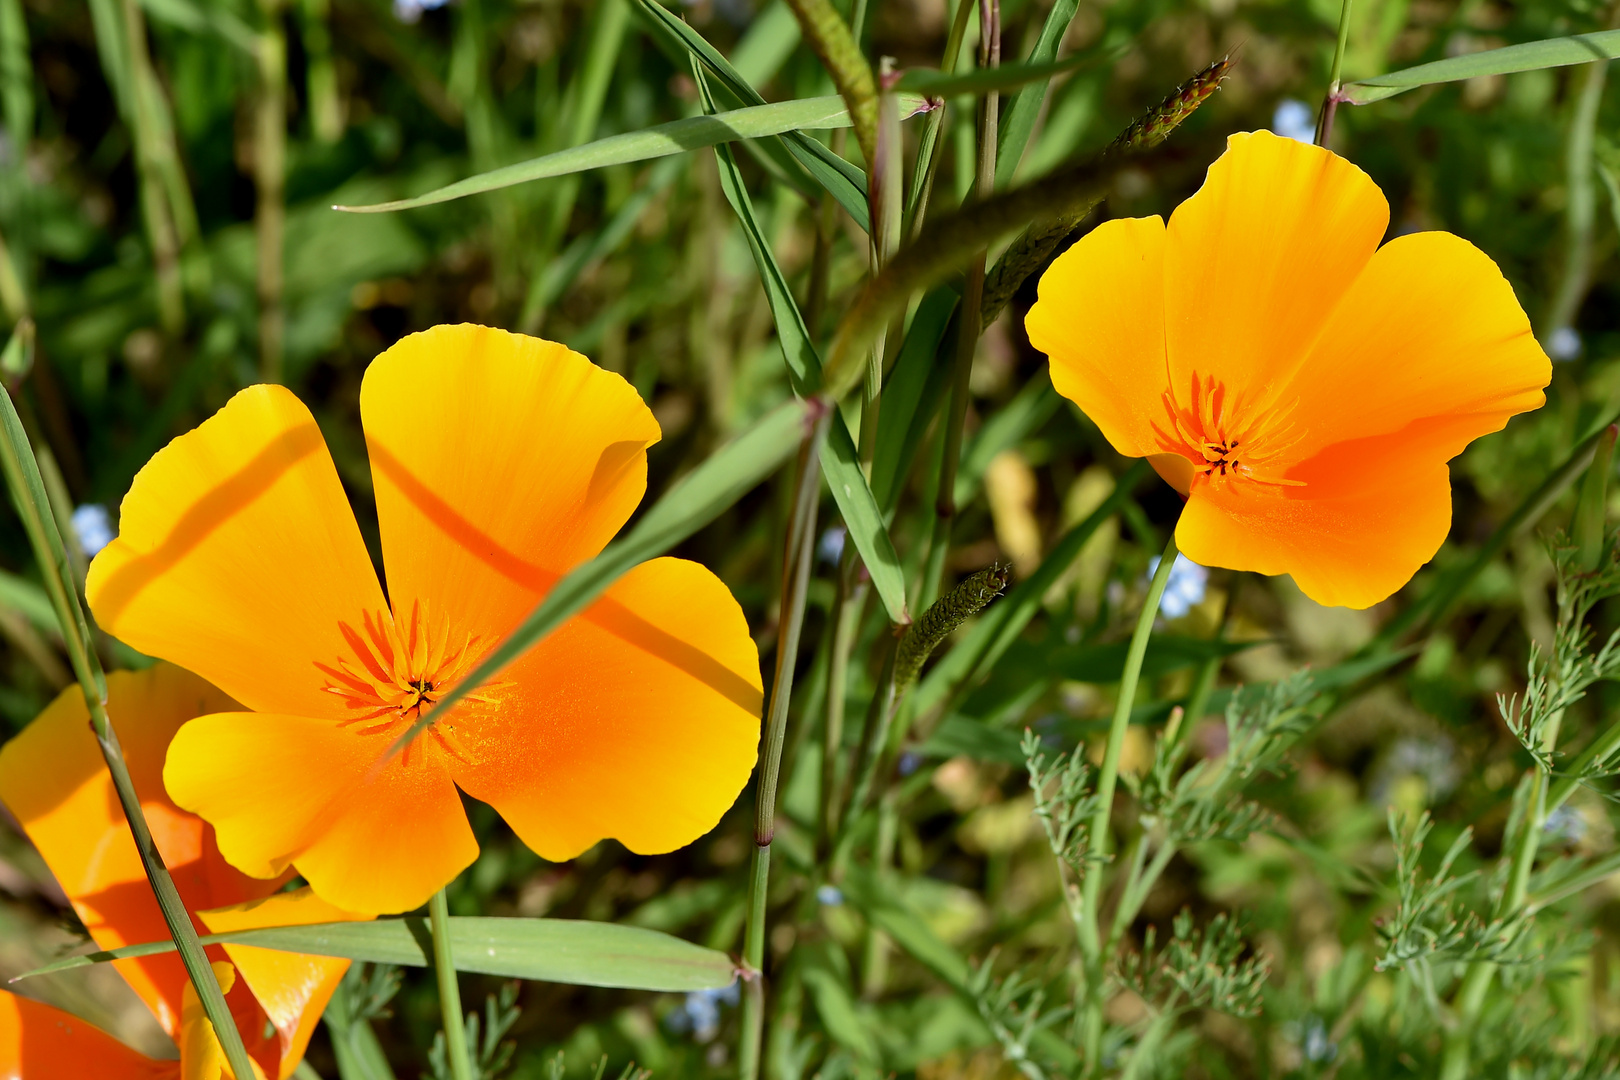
(1564, 343)
(1294, 120)
(1565, 824)
(93, 526)
(910, 761)
(1184, 590)
(409, 11)
(700, 1012)
(829, 895)
(830, 548)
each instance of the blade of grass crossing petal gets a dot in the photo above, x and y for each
(33, 506)
(1018, 116)
(842, 180)
(1004, 620)
(662, 140)
(573, 951)
(691, 503)
(840, 460)
(1530, 56)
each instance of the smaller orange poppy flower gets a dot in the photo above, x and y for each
(53, 779)
(1301, 386)
(499, 463)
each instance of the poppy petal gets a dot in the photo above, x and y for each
(638, 721)
(1258, 258)
(309, 792)
(1100, 317)
(38, 1042)
(54, 780)
(1369, 514)
(1429, 329)
(201, 1056)
(292, 988)
(238, 556)
(499, 460)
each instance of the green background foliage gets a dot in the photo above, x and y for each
(141, 182)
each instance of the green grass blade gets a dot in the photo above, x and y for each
(770, 39)
(577, 952)
(840, 460)
(1530, 56)
(1017, 121)
(911, 395)
(842, 180)
(1011, 425)
(33, 505)
(691, 503)
(675, 137)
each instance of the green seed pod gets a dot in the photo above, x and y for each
(944, 616)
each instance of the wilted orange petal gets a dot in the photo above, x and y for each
(1257, 259)
(238, 556)
(1370, 513)
(638, 722)
(293, 789)
(500, 462)
(1430, 329)
(53, 779)
(1100, 317)
(291, 988)
(38, 1042)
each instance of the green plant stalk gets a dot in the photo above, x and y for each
(270, 180)
(320, 75)
(33, 505)
(1580, 204)
(968, 323)
(798, 555)
(1477, 979)
(444, 967)
(1090, 932)
(833, 43)
(587, 93)
(926, 166)
(1330, 103)
(13, 296)
(849, 603)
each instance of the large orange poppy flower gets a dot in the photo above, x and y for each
(499, 463)
(1300, 385)
(53, 779)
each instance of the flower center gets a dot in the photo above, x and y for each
(398, 669)
(1224, 444)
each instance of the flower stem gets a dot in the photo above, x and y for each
(798, 554)
(1330, 104)
(33, 505)
(444, 965)
(1107, 778)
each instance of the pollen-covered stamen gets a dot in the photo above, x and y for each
(397, 670)
(1213, 429)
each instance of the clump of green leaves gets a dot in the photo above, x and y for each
(1198, 968)
(492, 1052)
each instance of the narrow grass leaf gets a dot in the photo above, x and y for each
(1016, 421)
(691, 503)
(982, 81)
(662, 140)
(842, 180)
(840, 460)
(1530, 56)
(577, 952)
(912, 394)
(1018, 116)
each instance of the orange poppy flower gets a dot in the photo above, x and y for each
(53, 779)
(499, 463)
(1301, 386)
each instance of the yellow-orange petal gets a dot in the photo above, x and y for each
(305, 791)
(238, 556)
(500, 462)
(55, 782)
(1369, 514)
(201, 1056)
(1259, 257)
(639, 722)
(291, 988)
(1430, 329)
(38, 1042)
(1100, 317)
